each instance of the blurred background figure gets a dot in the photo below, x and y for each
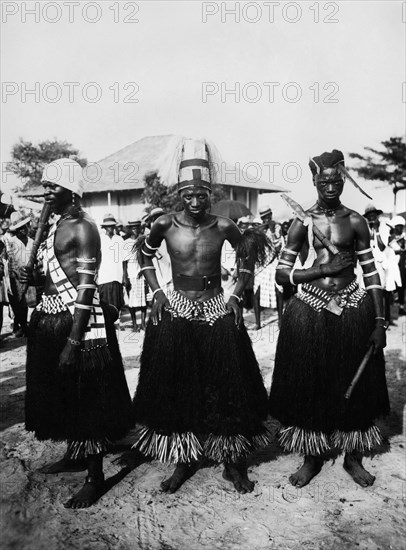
(134, 282)
(283, 293)
(398, 245)
(18, 249)
(264, 284)
(110, 279)
(385, 259)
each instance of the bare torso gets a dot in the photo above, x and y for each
(195, 250)
(341, 229)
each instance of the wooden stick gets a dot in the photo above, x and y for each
(43, 219)
(360, 370)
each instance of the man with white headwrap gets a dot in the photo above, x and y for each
(76, 388)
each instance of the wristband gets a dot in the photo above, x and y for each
(73, 342)
(292, 282)
(147, 267)
(155, 291)
(236, 297)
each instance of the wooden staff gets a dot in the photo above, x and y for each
(360, 370)
(43, 219)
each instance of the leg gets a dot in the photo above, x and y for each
(353, 465)
(143, 315)
(387, 303)
(93, 487)
(182, 472)
(257, 307)
(279, 304)
(401, 299)
(311, 467)
(238, 475)
(133, 320)
(66, 464)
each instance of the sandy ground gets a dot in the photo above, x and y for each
(330, 513)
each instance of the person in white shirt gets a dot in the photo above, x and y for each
(110, 278)
(133, 281)
(18, 250)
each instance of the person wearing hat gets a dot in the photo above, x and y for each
(398, 244)
(18, 249)
(134, 283)
(200, 390)
(326, 330)
(265, 291)
(76, 387)
(384, 256)
(111, 267)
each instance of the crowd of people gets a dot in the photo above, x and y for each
(200, 394)
(121, 284)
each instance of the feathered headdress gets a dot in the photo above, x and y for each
(189, 162)
(335, 159)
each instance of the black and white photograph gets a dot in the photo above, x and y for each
(202, 275)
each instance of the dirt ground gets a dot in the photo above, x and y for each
(330, 513)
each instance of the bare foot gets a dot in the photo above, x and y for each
(353, 465)
(91, 491)
(64, 465)
(180, 475)
(311, 467)
(238, 476)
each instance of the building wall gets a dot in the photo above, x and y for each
(128, 206)
(124, 205)
(247, 196)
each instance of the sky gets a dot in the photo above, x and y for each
(267, 82)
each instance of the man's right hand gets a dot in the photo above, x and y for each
(337, 264)
(160, 302)
(25, 274)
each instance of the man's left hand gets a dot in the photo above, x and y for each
(233, 307)
(378, 338)
(68, 357)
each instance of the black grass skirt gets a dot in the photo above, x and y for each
(89, 403)
(199, 383)
(316, 358)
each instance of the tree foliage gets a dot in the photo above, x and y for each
(28, 160)
(156, 194)
(388, 165)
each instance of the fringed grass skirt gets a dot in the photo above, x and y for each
(316, 358)
(200, 391)
(88, 405)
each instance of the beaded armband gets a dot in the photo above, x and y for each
(83, 306)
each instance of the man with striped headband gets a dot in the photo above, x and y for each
(200, 391)
(326, 330)
(76, 388)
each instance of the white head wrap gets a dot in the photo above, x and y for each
(65, 172)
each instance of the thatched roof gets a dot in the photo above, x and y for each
(126, 169)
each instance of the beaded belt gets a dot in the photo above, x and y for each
(318, 298)
(51, 304)
(192, 310)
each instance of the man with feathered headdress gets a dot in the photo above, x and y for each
(200, 391)
(325, 332)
